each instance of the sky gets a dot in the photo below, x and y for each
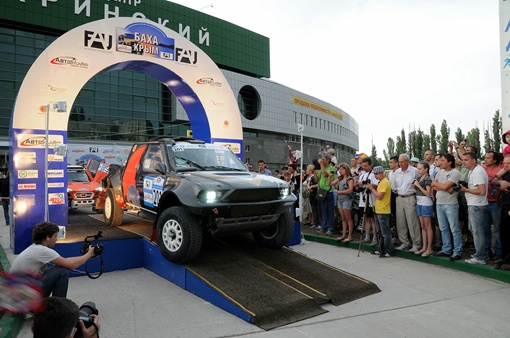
(390, 64)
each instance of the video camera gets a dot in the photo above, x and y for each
(86, 310)
(459, 185)
(98, 248)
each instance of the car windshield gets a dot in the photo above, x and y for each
(208, 157)
(77, 176)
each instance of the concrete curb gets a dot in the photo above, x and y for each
(480, 270)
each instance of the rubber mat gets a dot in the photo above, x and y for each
(277, 287)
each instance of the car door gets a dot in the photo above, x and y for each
(150, 180)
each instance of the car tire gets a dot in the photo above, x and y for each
(278, 234)
(178, 235)
(112, 212)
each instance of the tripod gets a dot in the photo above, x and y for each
(367, 202)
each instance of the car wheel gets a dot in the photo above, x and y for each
(113, 213)
(278, 234)
(179, 236)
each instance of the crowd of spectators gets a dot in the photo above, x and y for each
(439, 205)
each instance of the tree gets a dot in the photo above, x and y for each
(443, 138)
(426, 143)
(391, 147)
(418, 144)
(433, 143)
(411, 143)
(401, 143)
(497, 131)
(373, 156)
(459, 136)
(488, 142)
(473, 138)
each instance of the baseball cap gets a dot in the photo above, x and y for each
(414, 159)
(378, 170)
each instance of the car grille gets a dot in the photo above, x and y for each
(84, 195)
(250, 195)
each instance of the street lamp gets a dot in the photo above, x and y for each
(60, 107)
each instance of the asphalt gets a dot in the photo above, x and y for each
(417, 299)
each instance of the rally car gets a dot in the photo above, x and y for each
(81, 191)
(189, 187)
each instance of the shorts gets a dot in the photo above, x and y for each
(370, 212)
(424, 210)
(344, 204)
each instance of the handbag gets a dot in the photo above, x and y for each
(306, 192)
(322, 193)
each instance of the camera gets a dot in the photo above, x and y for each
(365, 182)
(98, 248)
(459, 185)
(85, 312)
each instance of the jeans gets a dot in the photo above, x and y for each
(493, 213)
(55, 281)
(327, 212)
(386, 242)
(476, 225)
(448, 220)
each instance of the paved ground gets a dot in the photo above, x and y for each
(417, 300)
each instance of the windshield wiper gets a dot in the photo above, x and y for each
(189, 162)
(220, 167)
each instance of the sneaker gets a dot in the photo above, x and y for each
(402, 247)
(413, 250)
(366, 240)
(329, 232)
(455, 257)
(475, 261)
(376, 252)
(385, 255)
(374, 243)
(442, 254)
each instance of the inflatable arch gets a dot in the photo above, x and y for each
(44, 101)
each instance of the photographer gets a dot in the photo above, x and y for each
(476, 197)
(60, 319)
(34, 260)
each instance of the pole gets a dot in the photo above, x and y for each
(46, 213)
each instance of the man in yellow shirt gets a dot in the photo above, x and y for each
(382, 193)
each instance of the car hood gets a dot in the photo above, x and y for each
(83, 186)
(233, 180)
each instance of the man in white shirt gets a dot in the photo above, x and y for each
(407, 219)
(34, 260)
(476, 197)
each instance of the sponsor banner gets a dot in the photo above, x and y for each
(152, 190)
(55, 158)
(56, 184)
(69, 61)
(27, 186)
(147, 40)
(31, 141)
(233, 146)
(23, 174)
(317, 107)
(55, 173)
(57, 198)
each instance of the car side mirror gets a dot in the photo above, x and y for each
(160, 168)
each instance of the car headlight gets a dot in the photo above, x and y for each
(209, 196)
(284, 192)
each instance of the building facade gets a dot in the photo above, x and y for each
(119, 107)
